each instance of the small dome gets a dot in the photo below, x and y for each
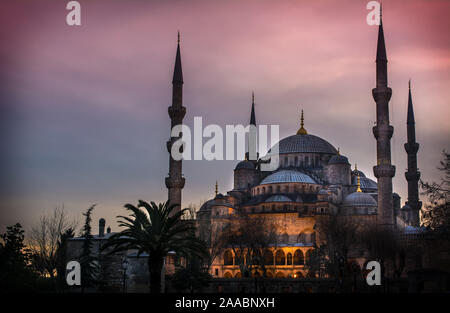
(358, 172)
(287, 176)
(246, 164)
(305, 144)
(278, 198)
(338, 159)
(359, 199)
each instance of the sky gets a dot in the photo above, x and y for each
(83, 109)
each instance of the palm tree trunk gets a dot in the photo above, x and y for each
(155, 265)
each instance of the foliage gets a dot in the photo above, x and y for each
(192, 277)
(44, 240)
(156, 230)
(15, 272)
(88, 262)
(436, 214)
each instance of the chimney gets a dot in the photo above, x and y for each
(101, 227)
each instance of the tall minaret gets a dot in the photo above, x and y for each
(412, 174)
(384, 170)
(175, 180)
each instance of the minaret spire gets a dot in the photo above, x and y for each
(177, 71)
(252, 153)
(252, 114)
(175, 181)
(412, 174)
(384, 170)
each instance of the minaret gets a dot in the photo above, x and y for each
(384, 170)
(412, 174)
(252, 145)
(175, 180)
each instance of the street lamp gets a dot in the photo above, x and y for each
(124, 270)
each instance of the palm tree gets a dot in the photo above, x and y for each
(156, 231)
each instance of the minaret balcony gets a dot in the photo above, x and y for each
(411, 147)
(383, 131)
(177, 112)
(382, 94)
(384, 170)
(412, 176)
(175, 182)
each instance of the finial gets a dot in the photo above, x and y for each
(302, 130)
(356, 167)
(409, 84)
(217, 188)
(253, 97)
(339, 152)
(359, 185)
(178, 41)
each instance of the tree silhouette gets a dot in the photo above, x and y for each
(156, 230)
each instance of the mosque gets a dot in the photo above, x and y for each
(313, 180)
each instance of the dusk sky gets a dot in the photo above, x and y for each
(83, 111)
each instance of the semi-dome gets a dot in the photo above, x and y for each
(278, 198)
(304, 144)
(358, 172)
(287, 176)
(359, 199)
(338, 159)
(366, 183)
(246, 164)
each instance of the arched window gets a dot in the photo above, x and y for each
(301, 238)
(306, 160)
(289, 259)
(238, 275)
(228, 275)
(273, 207)
(285, 161)
(270, 189)
(228, 258)
(296, 161)
(280, 258)
(269, 274)
(298, 257)
(278, 188)
(308, 256)
(264, 189)
(279, 275)
(268, 257)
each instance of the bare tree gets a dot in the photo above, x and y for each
(386, 247)
(436, 214)
(340, 235)
(249, 237)
(45, 238)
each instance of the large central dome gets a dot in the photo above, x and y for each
(305, 144)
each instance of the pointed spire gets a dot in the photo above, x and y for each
(381, 47)
(359, 185)
(252, 114)
(302, 130)
(177, 72)
(410, 118)
(356, 167)
(217, 188)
